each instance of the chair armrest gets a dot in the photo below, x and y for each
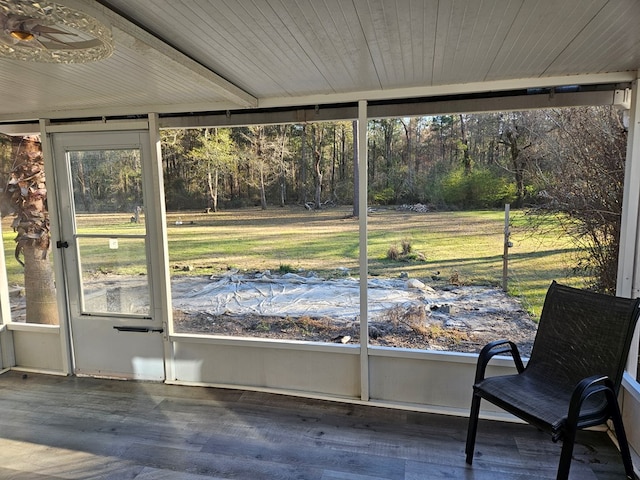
(587, 387)
(494, 348)
(584, 389)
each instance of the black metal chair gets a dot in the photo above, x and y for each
(574, 373)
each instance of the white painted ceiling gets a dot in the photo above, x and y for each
(197, 55)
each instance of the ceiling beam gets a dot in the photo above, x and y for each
(451, 104)
(451, 89)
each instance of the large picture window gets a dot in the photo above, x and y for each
(469, 220)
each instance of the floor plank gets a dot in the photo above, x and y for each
(54, 428)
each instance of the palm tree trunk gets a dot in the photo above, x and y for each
(26, 191)
(39, 286)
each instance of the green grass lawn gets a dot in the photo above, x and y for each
(466, 245)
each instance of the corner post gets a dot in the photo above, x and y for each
(628, 282)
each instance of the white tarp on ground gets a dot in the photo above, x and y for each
(294, 295)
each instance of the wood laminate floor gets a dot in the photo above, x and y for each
(81, 428)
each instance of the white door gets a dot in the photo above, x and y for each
(104, 243)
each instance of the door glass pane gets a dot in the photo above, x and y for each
(110, 231)
(113, 272)
(107, 191)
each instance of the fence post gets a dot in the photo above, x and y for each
(507, 244)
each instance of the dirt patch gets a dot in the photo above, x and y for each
(450, 318)
(464, 320)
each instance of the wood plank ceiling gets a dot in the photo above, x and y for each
(191, 55)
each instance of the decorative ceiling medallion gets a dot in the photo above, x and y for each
(51, 32)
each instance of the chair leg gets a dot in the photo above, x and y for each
(618, 426)
(472, 428)
(568, 439)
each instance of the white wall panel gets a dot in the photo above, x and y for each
(439, 382)
(332, 370)
(38, 348)
(436, 381)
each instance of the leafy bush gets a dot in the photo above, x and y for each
(384, 197)
(480, 188)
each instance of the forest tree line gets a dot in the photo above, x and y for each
(449, 161)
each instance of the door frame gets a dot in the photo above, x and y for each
(157, 246)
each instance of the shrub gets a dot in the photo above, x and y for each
(479, 189)
(286, 269)
(393, 253)
(404, 253)
(406, 246)
(384, 197)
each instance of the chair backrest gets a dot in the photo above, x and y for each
(582, 333)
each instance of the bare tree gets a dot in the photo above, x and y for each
(582, 180)
(267, 153)
(318, 146)
(215, 156)
(515, 135)
(356, 169)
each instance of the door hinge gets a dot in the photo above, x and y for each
(61, 244)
